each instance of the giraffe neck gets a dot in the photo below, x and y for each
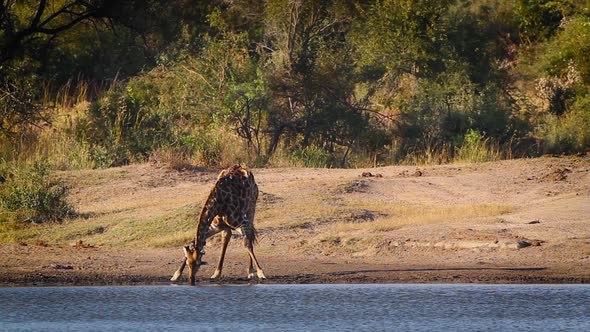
(208, 212)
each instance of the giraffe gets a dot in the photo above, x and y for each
(230, 206)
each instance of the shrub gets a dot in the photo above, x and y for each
(208, 148)
(476, 148)
(123, 126)
(30, 194)
(569, 132)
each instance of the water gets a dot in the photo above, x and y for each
(297, 308)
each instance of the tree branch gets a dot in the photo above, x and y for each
(39, 13)
(64, 27)
(58, 12)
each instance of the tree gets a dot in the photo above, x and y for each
(48, 20)
(29, 28)
(310, 74)
(58, 40)
(403, 36)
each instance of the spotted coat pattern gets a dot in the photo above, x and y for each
(230, 206)
(231, 203)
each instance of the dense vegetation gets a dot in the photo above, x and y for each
(340, 83)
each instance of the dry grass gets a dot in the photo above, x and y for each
(164, 217)
(110, 230)
(124, 206)
(174, 239)
(295, 214)
(362, 236)
(118, 207)
(429, 155)
(402, 216)
(15, 232)
(171, 158)
(56, 143)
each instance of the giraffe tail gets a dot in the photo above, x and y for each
(251, 236)
(254, 235)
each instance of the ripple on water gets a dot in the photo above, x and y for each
(297, 307)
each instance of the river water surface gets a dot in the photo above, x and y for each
(297, 308)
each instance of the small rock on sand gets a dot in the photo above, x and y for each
(523, 244)
(61, 266)
(370, 175)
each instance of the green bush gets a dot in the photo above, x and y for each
(124, 125)
(30, 194)
(208, 148)
(569, 132)
(476, 148)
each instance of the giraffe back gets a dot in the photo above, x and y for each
(235, 193)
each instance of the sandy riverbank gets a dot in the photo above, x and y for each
(518, 221)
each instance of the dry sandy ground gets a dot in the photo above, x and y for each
(517, 221)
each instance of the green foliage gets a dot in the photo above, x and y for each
(437, 107)
(30, 194)
(311, 77)
(19, 105)
(311, 157)
(564, 68)
(437, 113)
(473, 35)
(569, 132)
(317, 83)
(404, 36)
(121, 126)
(440, 72)
(539, 19)
(209, 149)
(566, 55)
(476, 148)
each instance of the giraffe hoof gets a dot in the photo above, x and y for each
(260, 275)
(215, 275)
(250, 275)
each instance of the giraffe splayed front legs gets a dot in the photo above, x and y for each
(231, 205)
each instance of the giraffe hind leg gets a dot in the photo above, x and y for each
(253, 260)
(251, 269)
(249, 244)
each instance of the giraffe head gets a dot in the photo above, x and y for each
(193, 260)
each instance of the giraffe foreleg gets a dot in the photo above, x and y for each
(178, 272)
(225, 242)
(213, 229)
